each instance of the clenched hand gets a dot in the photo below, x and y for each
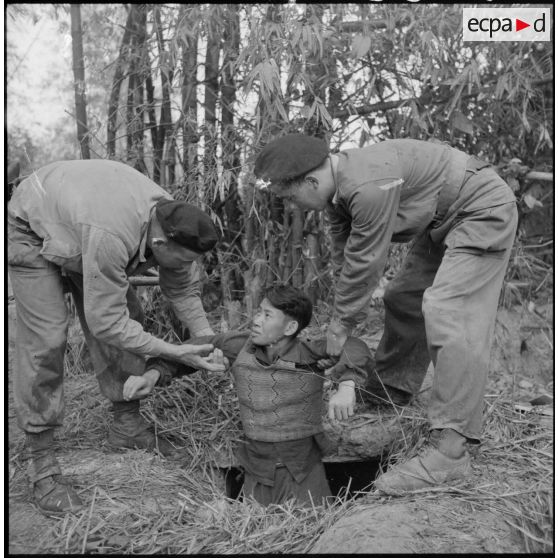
(191, 355)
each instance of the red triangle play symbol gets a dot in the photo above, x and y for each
(519, 25)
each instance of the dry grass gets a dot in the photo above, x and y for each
(514, 472)
(137, 503)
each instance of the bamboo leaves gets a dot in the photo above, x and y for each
(266, 73)
(360, 45)
(462, 123)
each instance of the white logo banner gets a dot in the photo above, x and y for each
(506, 24)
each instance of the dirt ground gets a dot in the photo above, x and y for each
(442, 525)
(429, 523)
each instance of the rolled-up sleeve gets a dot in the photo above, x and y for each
(373, 208)
(105, 286)
(182, 289)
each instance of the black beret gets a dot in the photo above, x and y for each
(289, 157)
(186, 224)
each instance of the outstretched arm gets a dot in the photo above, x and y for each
(373, 210)
(105, 282)
(137, 387)
(160, 371)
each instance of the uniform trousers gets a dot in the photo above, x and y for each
(441, 308)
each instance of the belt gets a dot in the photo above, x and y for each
(449, 193)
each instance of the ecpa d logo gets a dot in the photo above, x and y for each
(506, 24)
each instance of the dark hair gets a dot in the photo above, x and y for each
(292, 302)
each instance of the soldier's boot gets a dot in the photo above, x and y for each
(130, 430)
(380, 395)
(444, 459)
(52, 493)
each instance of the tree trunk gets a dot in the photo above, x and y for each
(121, 62)
(230, 150)
(165, 122)
(273, 223)
(317, 68)
(135, 103)
(151, 114)
(189, 94)
(311, 255)
(211, 92)
(297, 239)
(79, 80)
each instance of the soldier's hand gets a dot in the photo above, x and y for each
(342, 403)
(198, 356)
(136, 387)
(336, 336)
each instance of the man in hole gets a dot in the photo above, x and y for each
(279, 381)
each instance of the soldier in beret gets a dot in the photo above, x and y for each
(84, 227)
(441, 307)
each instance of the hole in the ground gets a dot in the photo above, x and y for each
(234, 479)
(351, 476)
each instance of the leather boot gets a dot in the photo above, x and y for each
(130, 430)
(52, 493)
(443, 459)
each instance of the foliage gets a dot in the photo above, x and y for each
(191, 92)
(194, 120)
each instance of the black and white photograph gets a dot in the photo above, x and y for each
(279, 278)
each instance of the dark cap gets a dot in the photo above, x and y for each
(289, 157)
(186, 224)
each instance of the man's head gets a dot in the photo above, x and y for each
(179, 232)
(283, 313)
(298, 168)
